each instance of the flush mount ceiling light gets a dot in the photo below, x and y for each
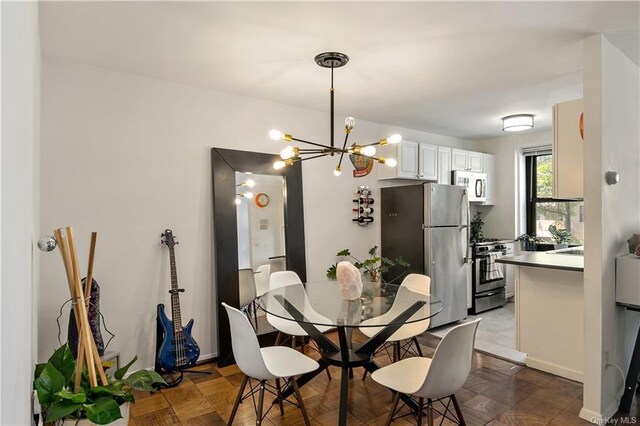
(517, 122)
(292, 154)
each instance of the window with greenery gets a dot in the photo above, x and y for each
(545, 212)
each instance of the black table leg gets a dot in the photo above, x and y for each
(345, 348)
(633, 375)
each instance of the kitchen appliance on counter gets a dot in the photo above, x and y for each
(428, 225)
(488, 276)
(476, 184)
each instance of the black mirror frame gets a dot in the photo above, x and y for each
(225, 163)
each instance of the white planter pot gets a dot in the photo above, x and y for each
(124, 421)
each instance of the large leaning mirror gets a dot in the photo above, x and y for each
(258, 221)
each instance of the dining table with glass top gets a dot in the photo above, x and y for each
(386, 307)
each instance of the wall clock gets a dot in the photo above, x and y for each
(262, 200)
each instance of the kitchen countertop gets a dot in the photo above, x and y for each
(541, 259)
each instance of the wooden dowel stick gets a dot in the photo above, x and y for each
(80, 305)
(89, 279)
(64, 252)
(87, 295)
(79, 364)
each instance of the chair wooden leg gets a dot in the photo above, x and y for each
(418, 348)
(429, 412)
(420, 408)
(394, 405)
(278, 339)
(329, 373)
(396, 351)
(238, 399)
(364, 375)
(279, 389)
(458, 410)
(296, 391)
(260, 404)
(293, 342)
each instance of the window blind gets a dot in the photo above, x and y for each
(536, 150)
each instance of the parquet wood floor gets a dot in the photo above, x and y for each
(497, 393)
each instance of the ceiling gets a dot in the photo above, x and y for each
(452, 68)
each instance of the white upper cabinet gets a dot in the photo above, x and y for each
(428, 162)
(475, 161)
(489, 168)
(466, 160)
(444, 165)
(416, 160)
(459, 159)
(408, 153)
(568, 150)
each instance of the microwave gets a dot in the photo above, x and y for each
(476, 184)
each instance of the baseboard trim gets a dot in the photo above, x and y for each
(599, 418)
(556, 369)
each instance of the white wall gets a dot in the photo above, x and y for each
(20, 87)
(507, 218)
(129, 156)
(612, 142)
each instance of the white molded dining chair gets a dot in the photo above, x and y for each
(289, 327)
(434, 378)
(263, 364)
(262, 276)
(417, 283)
(247, 289)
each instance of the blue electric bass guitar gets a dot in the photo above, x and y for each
(178, 349)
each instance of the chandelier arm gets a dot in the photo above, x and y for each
(342, 152)
(311, 158)
(311, 143)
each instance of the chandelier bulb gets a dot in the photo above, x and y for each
(237, 201)
(289, 152)
(349, 122)
(395, 138)
(337, 171)
(368, 151)
(276, 135)
(250, 183)
(279, 165)
(247, 194)
(391, 162)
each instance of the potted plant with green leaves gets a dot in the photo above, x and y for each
(529, 241)
(374, 266)
(61, 404)
(561, 236)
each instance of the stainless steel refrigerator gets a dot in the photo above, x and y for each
(428, 225)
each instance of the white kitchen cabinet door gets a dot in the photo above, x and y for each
(444, 165)
(567, 150)
(408, 154)
(488, 165)
(428, 164)
(510, 273)
(474, 162)
(459, 158)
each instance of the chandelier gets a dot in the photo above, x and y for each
(292, 154)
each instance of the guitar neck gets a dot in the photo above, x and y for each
(175, 297)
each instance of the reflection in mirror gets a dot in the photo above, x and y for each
(260, 215)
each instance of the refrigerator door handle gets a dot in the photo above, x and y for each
(465, 200)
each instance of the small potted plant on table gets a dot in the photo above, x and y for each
(561, 236)
(374, 265)
(529, 241)
(63, 404)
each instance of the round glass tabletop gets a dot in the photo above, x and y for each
(321, 304)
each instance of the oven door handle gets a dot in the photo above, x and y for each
(481, 296)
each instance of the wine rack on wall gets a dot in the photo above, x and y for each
(363, 209)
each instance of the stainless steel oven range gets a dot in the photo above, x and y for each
(488, 289)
